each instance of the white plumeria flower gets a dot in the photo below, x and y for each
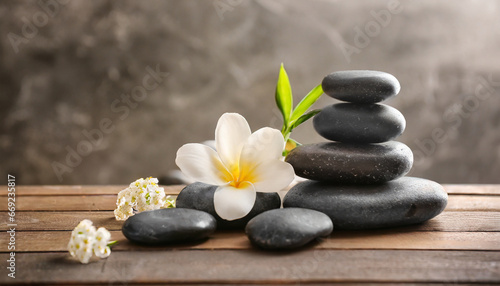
(244, 163)
(141, 195)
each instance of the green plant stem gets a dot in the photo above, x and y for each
(111, 243)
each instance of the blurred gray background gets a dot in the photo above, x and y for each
(74, 70)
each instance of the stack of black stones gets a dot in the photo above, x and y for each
(355, 181)
(357, 178)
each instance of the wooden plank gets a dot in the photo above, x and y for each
(62, 203)
(37, 241)
(63, 220)
(28, 221)
(473, 203)
(78, 190)
(456, 189)
(462, 221)
(396, 239)
(253, 266)
(108, 202)
(58, 241)
(175, 189)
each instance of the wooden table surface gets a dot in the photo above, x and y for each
(462, 245)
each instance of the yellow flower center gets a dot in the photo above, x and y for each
(235, 184)
(241, 176)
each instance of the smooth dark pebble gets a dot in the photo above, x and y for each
(288, 228)
(345, 163)
(400, 202)
(359, 123)
(166, 226)
(361, 86)
(200, 196)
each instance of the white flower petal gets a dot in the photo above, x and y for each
(202, 164)
(102, 251)
(106, 251)
(262, 146)
(230, 135)
(233, 203)
(272, 176)
(84, 254)
(103, 235)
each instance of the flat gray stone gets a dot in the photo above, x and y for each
(200, 196)
(400, 202)
(288, 228)
(359, 123)
(361, 86)
(166, 226)
(351, 163)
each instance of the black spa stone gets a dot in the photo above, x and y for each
(361, 86)
(287, 228)
(166, 226)
(359, 123)
(345, 163)
(400, 202)
(200, 196)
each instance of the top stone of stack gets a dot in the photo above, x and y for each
(361, 86)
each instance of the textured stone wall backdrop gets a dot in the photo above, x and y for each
(67, 68)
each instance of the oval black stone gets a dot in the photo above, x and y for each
(361, 86)
(165, 226)
(359, 123)
(400, 202)
(288, 228)
(200, 196)
(351, 163)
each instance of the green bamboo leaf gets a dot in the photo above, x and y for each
(284, 98)
(304, 118)
(306, 102)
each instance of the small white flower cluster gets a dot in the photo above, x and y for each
(85, 239)
(141, 195)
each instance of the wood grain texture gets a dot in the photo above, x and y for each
(108, 203)
(462, 221)
(63, 190)
(472, 189)
(461, 245)
(78, 190)
(447, 221)
(377, 239)
(62, 203)
(57, 220)
(473, 203)
(254, 266)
